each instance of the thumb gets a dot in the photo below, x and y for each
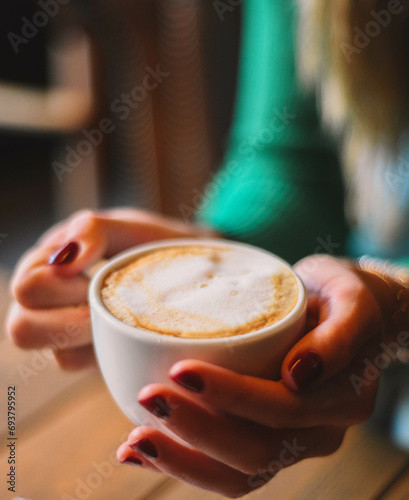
(95, 235)
(347, 314)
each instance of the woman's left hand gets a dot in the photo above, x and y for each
(243, 430)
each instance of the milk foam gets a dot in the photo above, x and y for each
(197, 291)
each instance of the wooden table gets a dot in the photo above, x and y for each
(69, 429)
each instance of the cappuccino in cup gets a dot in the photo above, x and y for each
(226, 303)
(201, 291)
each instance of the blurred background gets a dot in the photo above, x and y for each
(82, 123)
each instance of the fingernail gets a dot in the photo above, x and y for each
(189, 380)
(306, 369)
(132, 461)
(157, 405)
(65, 254)
(146, 447)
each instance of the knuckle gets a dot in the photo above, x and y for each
(363, 295)
(315, 260)
(87, 220)
(24, 287)
(324, 258)
(65, 360)
(18, 287)
(18, 330)
(332, 443)
(353, 293)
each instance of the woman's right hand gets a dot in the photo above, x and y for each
(49, 287)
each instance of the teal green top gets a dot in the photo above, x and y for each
(280, 185)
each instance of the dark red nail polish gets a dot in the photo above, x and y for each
(65, 255)
(306, 369)
(157, 405)
(189, 380)
(146, 448)
(132, 461)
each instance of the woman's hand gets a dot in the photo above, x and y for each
(242, 430)
(49, 285)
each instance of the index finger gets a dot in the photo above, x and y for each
(35, 283)
(271, 403)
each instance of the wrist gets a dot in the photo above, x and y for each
(390, 286)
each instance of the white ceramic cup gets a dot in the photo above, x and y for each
(131, 358)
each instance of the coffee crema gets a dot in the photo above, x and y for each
(201, 291)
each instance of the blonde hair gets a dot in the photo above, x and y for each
(355, 54)
(358, 61)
